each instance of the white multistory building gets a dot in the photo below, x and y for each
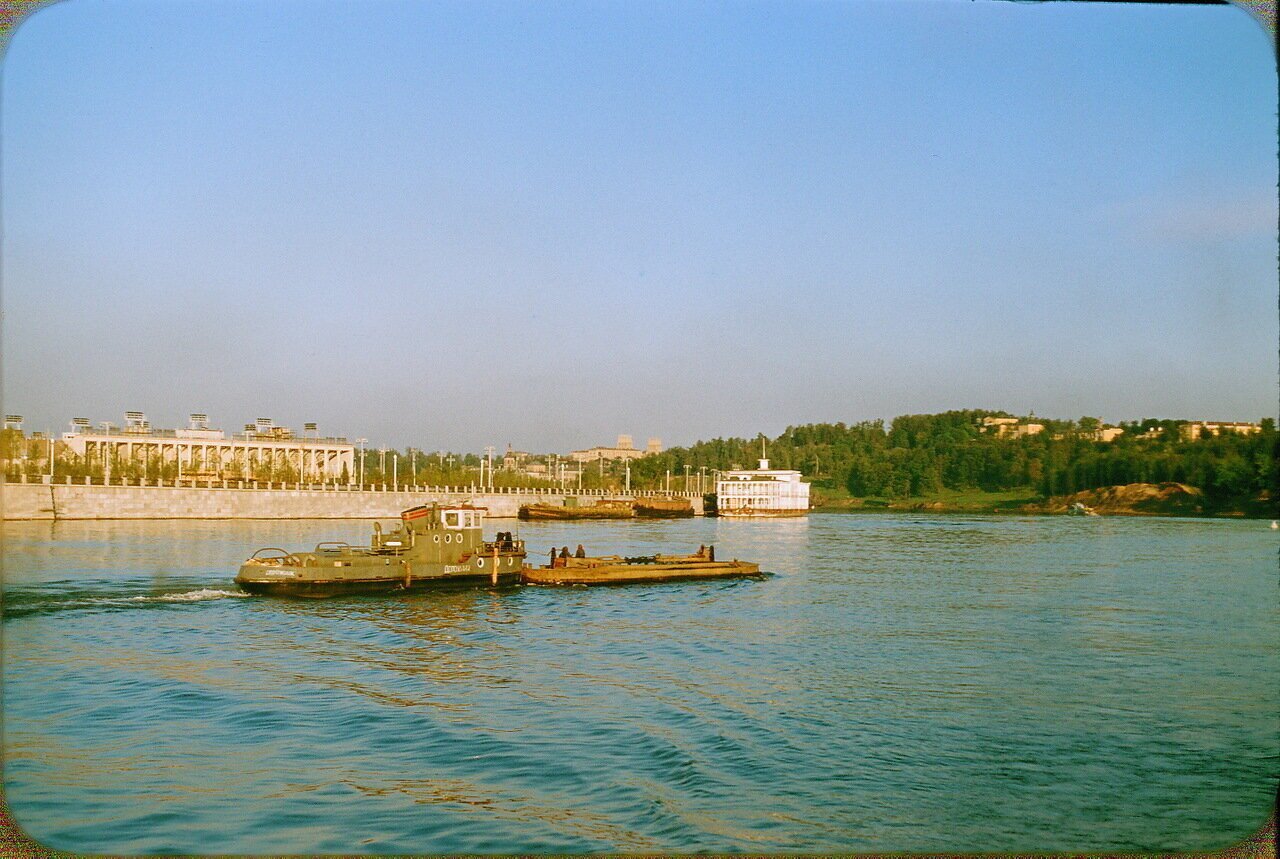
(762, 492)
(201, 452)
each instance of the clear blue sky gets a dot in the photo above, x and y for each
(458, 224)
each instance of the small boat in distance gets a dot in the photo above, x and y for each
(435, 544)
(618, 570)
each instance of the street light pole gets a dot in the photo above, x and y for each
(361, 442)
(395, 471)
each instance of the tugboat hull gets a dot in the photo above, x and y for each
(319, 589)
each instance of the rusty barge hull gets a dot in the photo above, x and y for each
(554, 512)
(603, 571)
(661, 508)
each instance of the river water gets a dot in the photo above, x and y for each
(921, 683)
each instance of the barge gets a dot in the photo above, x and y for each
(434, 545)
(604, 509)
(618, 570)
(663, 507)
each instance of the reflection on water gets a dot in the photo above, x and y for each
(900, 683)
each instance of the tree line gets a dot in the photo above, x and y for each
(918, 455)
(914, 455)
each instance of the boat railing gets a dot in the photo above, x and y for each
(281, 558)
(491, 546)
(331, 547)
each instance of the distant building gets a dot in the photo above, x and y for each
(196, 449)
(1193, 430)
(512, 460)
(1011, 427)
(624, 450)
(1104, 433)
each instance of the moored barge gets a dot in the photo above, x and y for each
(603, 509)
(664, 508)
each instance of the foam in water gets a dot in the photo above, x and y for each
(189, 596)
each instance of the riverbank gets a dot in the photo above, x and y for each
(1135, 499)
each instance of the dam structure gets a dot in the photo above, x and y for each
(198, 450)
(68, 498)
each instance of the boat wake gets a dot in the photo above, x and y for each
(23, 603)
(188, 596)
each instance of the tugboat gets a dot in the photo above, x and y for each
(434, 544)
(617, 570)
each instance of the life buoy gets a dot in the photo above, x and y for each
(479, 562)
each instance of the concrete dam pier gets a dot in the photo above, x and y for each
(163, 500)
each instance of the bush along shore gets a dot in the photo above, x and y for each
(1134, 499)
(980, 461)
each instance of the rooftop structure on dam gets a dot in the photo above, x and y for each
(198, 450)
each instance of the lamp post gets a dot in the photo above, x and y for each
(395, 473)
(106, 454)
(362, 442)
(686, 477)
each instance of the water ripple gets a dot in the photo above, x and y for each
(899, 683)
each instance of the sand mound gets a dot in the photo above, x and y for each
(1133, 499)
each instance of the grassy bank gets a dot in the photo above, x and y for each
(943, 501)
(1131, 500)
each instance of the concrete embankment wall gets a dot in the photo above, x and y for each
(75, 501)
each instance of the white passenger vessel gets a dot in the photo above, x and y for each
(763, 492)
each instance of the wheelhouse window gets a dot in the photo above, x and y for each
(461, 518)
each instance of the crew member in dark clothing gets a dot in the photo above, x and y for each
(553, 557)
(713, 553)
(581, 553)
(564, 553)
